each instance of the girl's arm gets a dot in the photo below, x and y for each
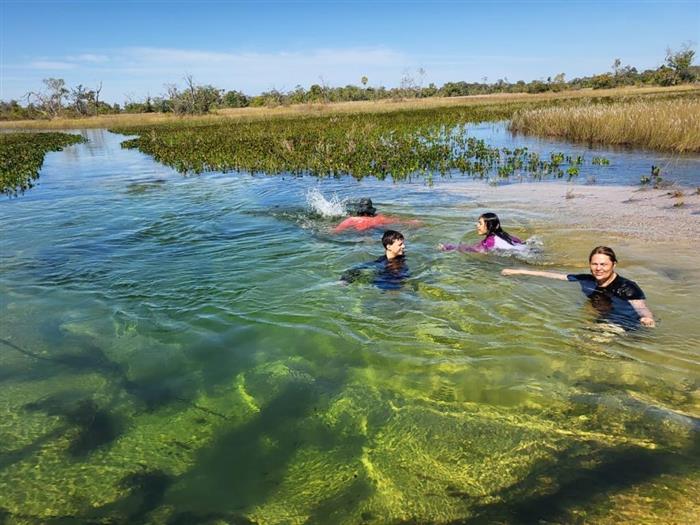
(461, 247)
(535, 273)
(646, 318)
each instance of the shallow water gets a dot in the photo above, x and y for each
(627, 165)
(179, 350)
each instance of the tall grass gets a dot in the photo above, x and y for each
(509, 101)
(664, 125)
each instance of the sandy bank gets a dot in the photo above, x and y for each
(644, 213)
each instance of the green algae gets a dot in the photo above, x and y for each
(286, 448)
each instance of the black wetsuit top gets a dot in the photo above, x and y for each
(612, 301)
(383, 273)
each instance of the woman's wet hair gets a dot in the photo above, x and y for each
(390, 237)
(493, 227)
(603, 250)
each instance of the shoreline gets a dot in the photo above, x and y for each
(665, 214)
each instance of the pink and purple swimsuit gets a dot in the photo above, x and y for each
(490, 243)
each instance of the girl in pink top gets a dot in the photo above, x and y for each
(495, 238)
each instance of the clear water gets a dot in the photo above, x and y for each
(627, 166)
(179, 350)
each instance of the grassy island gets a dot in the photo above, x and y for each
(22, 155)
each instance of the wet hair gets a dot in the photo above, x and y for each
(603, 250)
(361, 208)
(390, 237)
(493, 227)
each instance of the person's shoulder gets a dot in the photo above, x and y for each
(627, 288)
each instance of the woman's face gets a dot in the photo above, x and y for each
(602, 267)
(481, 228)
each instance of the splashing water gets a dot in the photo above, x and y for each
(333, 207)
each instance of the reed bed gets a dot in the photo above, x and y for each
(22, 155)
(664, 125)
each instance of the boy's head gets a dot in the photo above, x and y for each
(393, 243)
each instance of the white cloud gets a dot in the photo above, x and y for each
(50, 65)
(89, 58)
(145, 70)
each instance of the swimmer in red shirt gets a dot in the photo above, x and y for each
(365, 217)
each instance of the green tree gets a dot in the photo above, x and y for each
(680, 62)
(236, 99)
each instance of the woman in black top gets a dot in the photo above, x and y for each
(603, 286)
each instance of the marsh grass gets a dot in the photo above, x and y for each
(510, 101)
(664, 124)
(400, 145)
(22, 155)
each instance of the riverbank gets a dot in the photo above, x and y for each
(657, 215)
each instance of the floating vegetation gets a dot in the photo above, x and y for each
(655, 179)
(22, 155)
(397, 145)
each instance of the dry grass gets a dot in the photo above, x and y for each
(305, 110)
(666, 125)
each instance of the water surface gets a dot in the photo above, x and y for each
(180, 350)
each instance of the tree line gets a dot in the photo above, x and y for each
(58, 100)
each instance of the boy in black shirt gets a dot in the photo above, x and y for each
(388, 271)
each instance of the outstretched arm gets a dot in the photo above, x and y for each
(535, 273)
(449, 247)
(385, 219)
(646, 318)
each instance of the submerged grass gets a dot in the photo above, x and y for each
(666, 125)
(22, 155)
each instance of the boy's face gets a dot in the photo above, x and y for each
(395, 249)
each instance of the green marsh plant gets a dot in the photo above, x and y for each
(22, 155)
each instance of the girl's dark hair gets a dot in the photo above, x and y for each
(603, 250)
(493, 227)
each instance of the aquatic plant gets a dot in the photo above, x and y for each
(22, 155)
(658, 124)
(399, 145)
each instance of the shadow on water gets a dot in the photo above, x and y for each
(242, 468)
(91, 426)
(145, 491)
(555, 487)
(96, 427)
(151, 393)
(334, 508)
(248, 463)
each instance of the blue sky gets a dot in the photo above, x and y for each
(136, 47)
